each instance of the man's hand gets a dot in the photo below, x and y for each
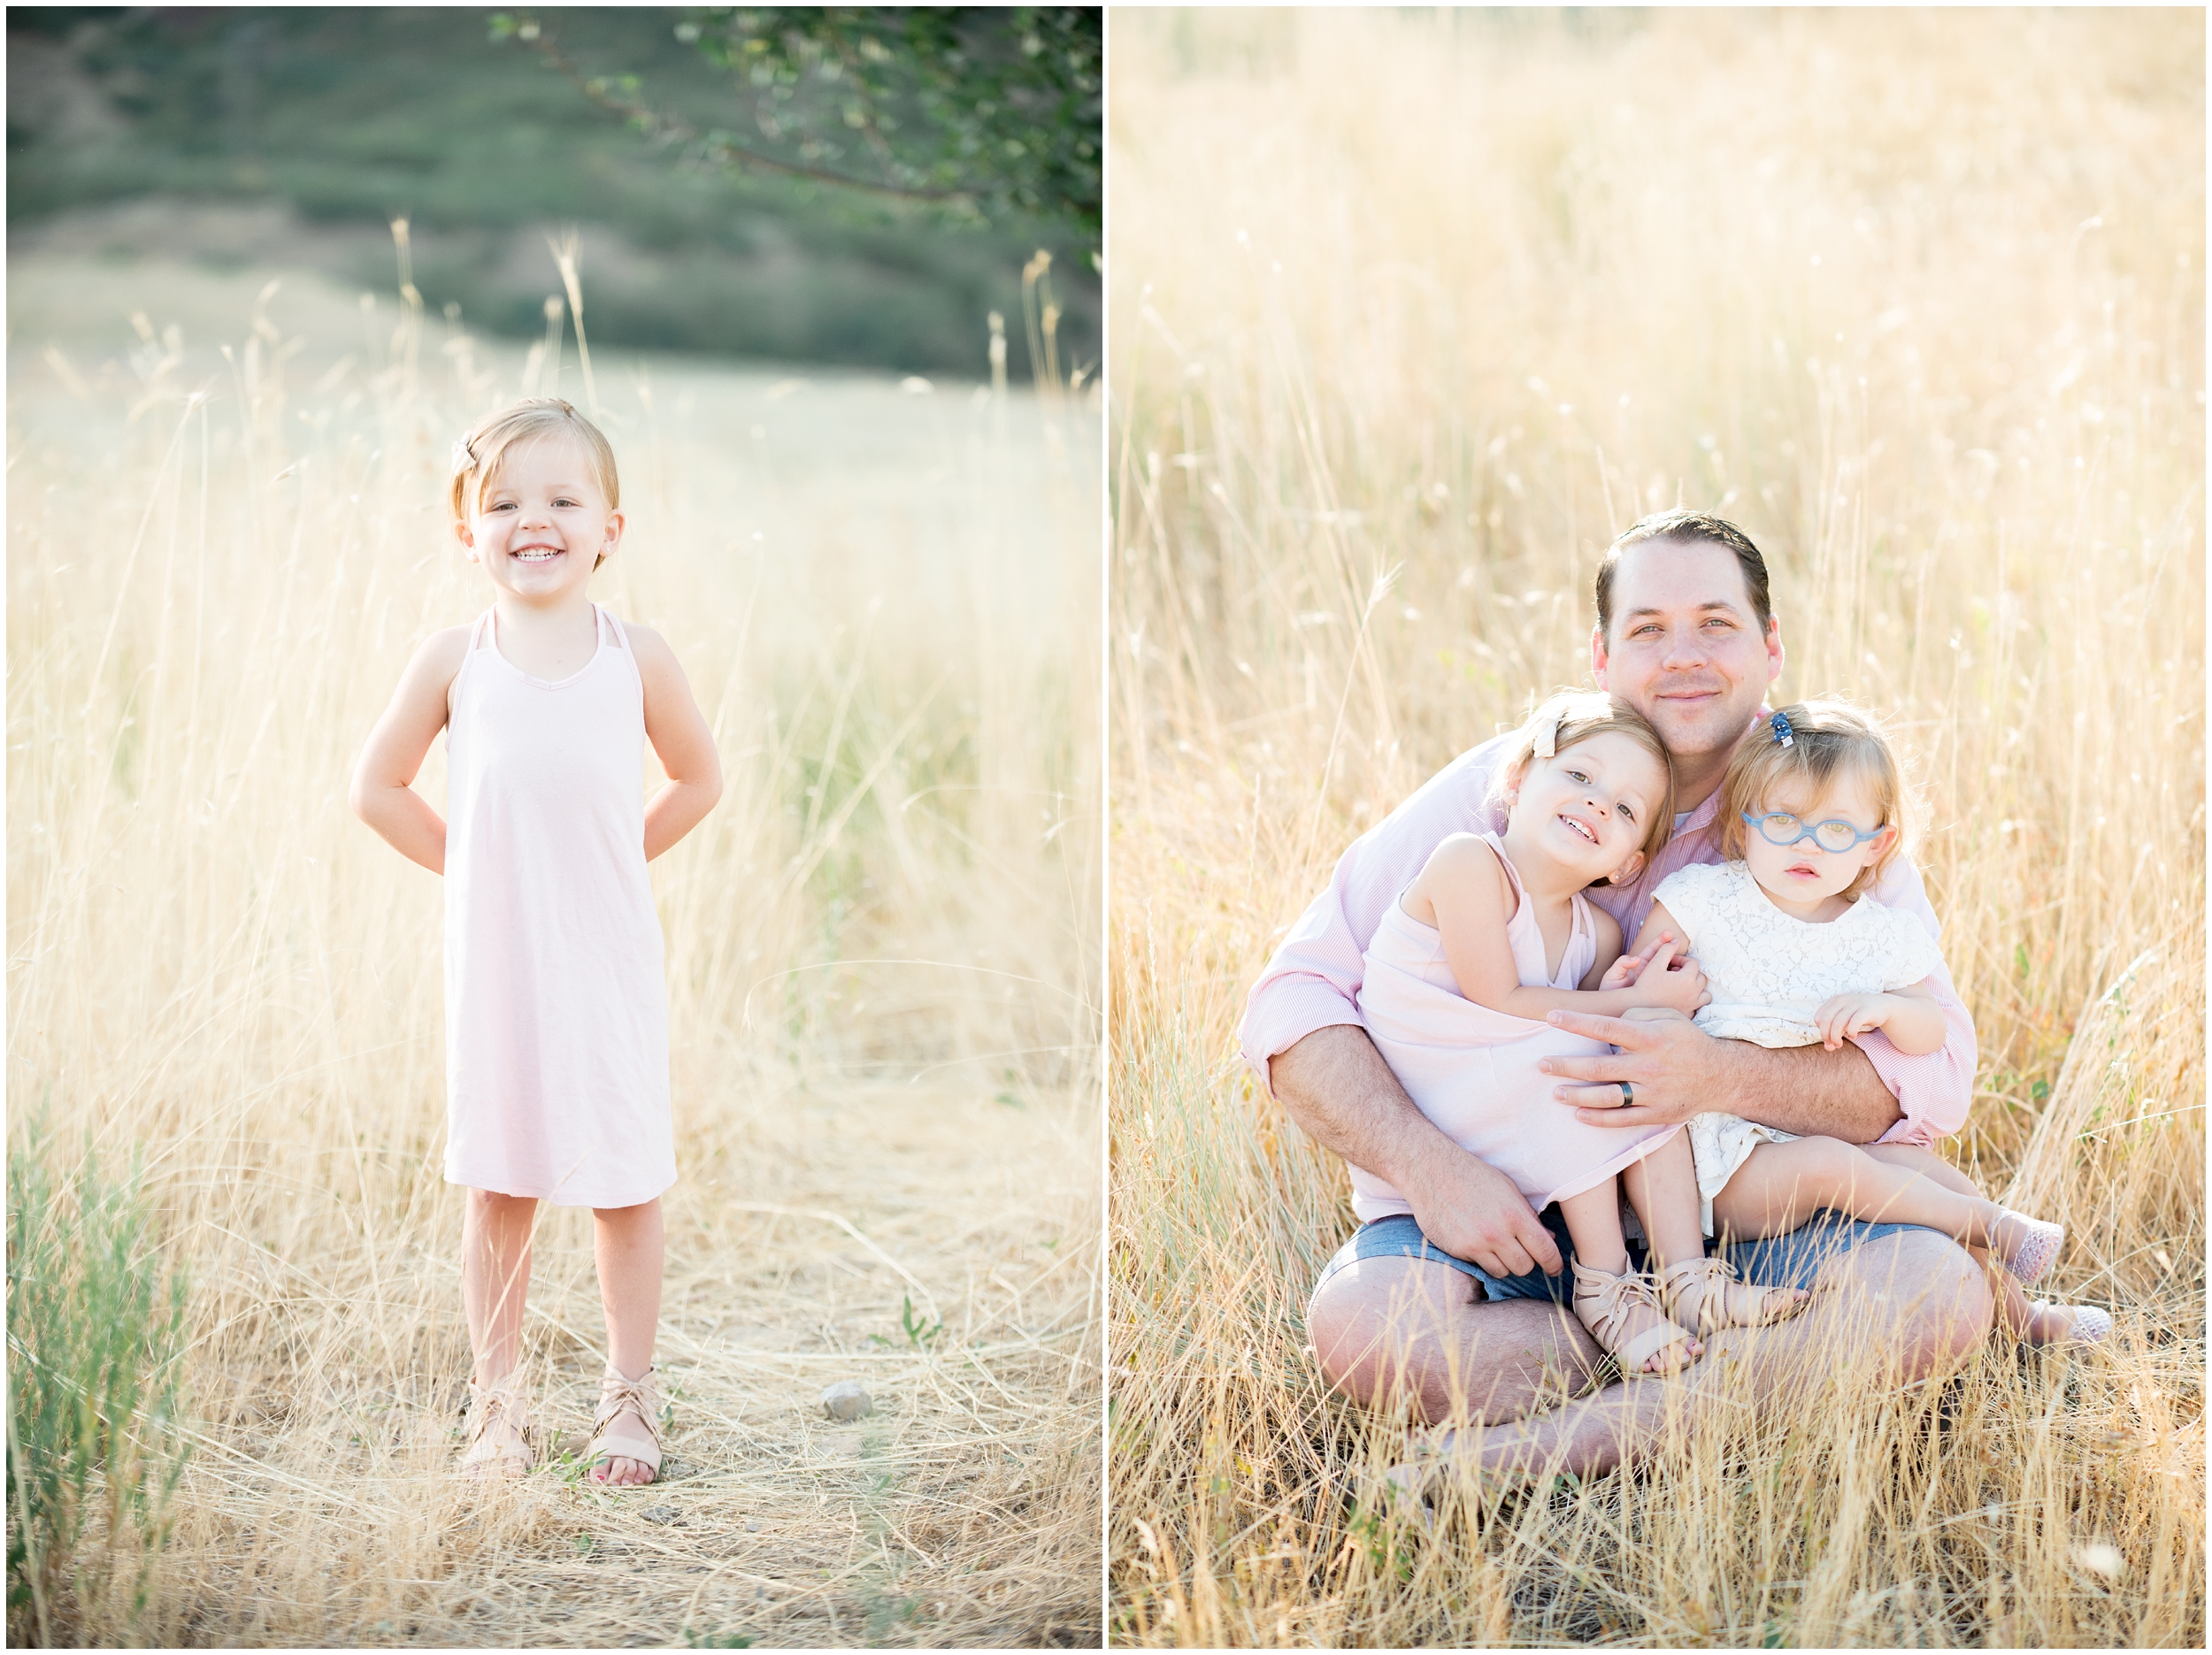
(1675, 1068)
(1336, 1086)
(1471, 1210)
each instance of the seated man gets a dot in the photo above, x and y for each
(1454, 1304)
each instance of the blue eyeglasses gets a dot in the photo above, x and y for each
(1835, 835)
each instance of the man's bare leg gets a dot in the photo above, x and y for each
(1406, 1333)
(1915, 1293)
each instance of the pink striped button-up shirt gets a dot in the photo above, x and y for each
(1313, 979)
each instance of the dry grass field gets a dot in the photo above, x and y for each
(225, 536)
(1410, 316)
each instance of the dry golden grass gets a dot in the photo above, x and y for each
(882, 955)
(1409, 317)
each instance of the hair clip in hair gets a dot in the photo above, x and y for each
(1783, 733)
(463, 457)
(1547, 733)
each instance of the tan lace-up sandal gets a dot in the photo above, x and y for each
(1705, 1294)
(499, 1441)
(627, 1425)
(1623, 1314)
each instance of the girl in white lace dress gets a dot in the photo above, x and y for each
(1810, 814)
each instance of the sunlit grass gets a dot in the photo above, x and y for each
(1409, 318)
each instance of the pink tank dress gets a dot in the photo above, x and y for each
(556, 1008)
(1472, 1070)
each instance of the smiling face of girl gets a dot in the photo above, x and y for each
(1587, 811)
(541, 521)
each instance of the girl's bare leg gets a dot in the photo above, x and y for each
(1783, 1184)
(2023, 1319)
(1594, 1219)
(1663, 1189)
(630, 1246)
(494, 1278)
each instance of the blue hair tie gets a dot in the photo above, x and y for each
(1783, 733)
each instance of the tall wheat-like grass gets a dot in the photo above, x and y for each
(1410, 315)
(881, 962)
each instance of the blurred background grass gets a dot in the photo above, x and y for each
(287, 137)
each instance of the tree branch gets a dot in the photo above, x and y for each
(657, 125)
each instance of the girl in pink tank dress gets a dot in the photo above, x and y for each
(556, 1012)
(1492, 934)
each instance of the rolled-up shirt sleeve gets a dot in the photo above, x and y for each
(1313, 980)
(1934, 1090)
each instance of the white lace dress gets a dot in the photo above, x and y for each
(1768, 973)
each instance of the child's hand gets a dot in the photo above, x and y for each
(1852, 1014)
(1666, 984)
(1624, 972)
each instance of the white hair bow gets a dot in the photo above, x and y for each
(463, 457)
(1548, 731)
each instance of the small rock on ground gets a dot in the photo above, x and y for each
(847, 1401)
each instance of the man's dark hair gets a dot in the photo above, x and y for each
(1687, 528)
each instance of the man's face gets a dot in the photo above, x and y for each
(1685, 649)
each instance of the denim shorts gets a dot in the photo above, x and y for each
(1790, 1260)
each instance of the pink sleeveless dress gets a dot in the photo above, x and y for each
(1472, 1070)
(556, 1009)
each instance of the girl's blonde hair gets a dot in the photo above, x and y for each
(1575, 715)
(477, 456)
(1828, 740)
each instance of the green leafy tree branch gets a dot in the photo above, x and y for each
(983, 113)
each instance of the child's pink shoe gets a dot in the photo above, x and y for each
(2092, 1323)
(2035, 1247)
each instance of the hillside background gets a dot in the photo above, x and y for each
(289, 138)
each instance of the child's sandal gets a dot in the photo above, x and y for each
(627, 1425)
(1608, 1306)
(500, 1442)
(1706, 1294)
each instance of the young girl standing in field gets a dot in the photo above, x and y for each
(556, 1013)
(1810, 814)
(1492, 934)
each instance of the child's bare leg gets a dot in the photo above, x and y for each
(1783, 1184)
(494, 1278)
(629, 1245)
(1594, 1220)
(1663, 1188)
(2021, 1318)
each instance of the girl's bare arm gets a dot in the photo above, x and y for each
(1467, 888)
(383, 794)
(1909, 1016)
(1608, 940)
(681, 740)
